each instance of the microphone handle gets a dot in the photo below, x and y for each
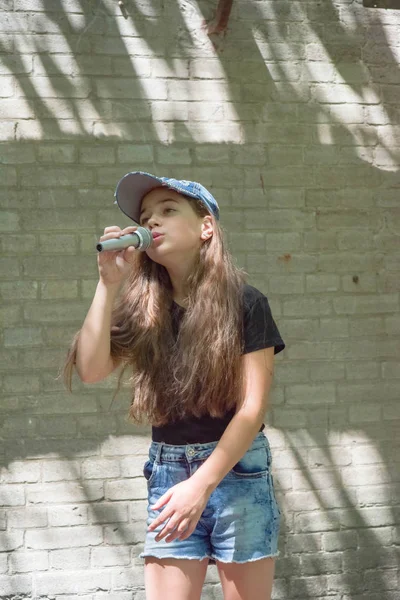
(141, 239)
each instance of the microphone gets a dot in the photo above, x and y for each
(141, 239)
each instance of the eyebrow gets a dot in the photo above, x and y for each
(161, 202)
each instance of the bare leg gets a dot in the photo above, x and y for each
(174, 578)
(247, 581)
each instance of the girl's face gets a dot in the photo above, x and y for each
(182, 231)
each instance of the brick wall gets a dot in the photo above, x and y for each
(292, 119)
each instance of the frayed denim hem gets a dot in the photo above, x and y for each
(214, 558)
(242, 562)
(149, 555)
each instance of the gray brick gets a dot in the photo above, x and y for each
(15, 584)
(100, 469)
(110, 557)
(97, 425)
(339, 541)
(366, 282)
(281, 263)
(11, 495)
(316, 564)
(129, 533)
(70, 267)
(24, 290)
(368, 304)
(94, 155)
(178, 111)
(310, 394)
(64, 492)
(49, 198)
(247, 241)
(56, 153)
(58, 290)
(7, 132)
(89, 108)
(316, 240)
(22, 561)
(59, 220)
(61, 470)
(330, 371)
(322, 282)
(173, 156)
(54, 313)
(62, 516)
(286, 284)
(53, 176)
(109, 512)
(362, 326)
(129, 88)
(13, 426)
(126, 489)
(78, 558)
(16, 153)
(27, 517)
(21, 383)
(23, 336)
(73, 582)
(207, 153)
(9, 268)
(57, 426)
(133, 153)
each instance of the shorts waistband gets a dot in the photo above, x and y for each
(160, 451)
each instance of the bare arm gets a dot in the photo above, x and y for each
(93, 360)
(244, 426)
(187, 499)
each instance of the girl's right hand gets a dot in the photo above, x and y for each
(114, 265)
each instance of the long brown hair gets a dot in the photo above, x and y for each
(197, 371)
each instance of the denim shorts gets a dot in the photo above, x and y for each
(241, 520)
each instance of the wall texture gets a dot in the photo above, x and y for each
(291, 117)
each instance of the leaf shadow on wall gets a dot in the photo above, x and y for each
(280, 136)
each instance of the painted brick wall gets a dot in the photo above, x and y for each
(292, 119)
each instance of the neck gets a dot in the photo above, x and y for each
(179, 274)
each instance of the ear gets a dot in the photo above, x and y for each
(207, 229)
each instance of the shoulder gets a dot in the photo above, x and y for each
(252, 296)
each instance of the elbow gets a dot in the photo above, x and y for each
(252, 415)
(85, 376)
(91, 378)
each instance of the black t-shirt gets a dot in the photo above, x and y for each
(259, 331)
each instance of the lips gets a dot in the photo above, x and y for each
(156, 235)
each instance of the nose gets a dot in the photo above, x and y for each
(153, 221)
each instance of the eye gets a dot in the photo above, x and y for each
(143, 221)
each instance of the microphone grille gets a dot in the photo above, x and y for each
(146, 237)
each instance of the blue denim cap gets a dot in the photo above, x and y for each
(132, 188)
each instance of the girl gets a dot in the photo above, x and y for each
(200, 344)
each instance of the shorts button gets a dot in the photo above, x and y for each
(190, 451)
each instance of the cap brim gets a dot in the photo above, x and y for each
(130, 192)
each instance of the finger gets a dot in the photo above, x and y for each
(180, 531)
(129, 252)
(161, 518)
(189, 531)
(129, 229)
(183, 531)
(162, 500)
(112, 228)
(183, 526)
(110, 235)
(168, 529)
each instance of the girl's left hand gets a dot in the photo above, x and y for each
(186, 502)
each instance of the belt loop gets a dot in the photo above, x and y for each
(159, 450)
